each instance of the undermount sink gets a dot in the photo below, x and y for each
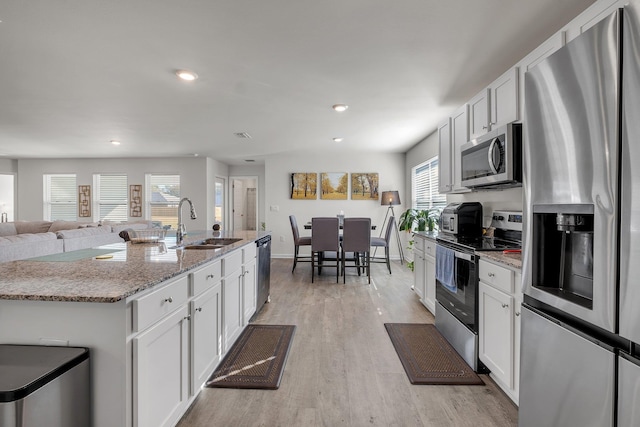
(200, 246)
(222, 241)
(212, 243)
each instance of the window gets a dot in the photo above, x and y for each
(219, 201)
(424, 184)
(163, 197)
(60, 197)
(110, 197)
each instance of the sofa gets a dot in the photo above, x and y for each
(28, 239)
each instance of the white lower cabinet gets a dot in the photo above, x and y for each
(160, 379)
(499, 299)
(232, 315)
(180, 331)
(206, 335)
(424, 271)
(249, 283)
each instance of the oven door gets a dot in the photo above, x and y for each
(461, 299)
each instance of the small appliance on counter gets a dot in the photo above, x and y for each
(462, 219)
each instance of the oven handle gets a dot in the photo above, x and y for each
(464, 256)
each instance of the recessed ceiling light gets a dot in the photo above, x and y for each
(115, 142)
(338, 139)
(340, 107)
(186, 75)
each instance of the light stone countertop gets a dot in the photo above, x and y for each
(133, 268)
(513, 260)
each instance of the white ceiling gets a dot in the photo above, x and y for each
(75, 74)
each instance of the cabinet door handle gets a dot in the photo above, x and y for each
(484, 127)
(210, 276)
(199, 309)
(187, 317)
(169, 300)
(517, 314)
(491, 275)
(505, 305)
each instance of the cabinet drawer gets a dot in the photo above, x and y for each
(155, 305)
(496, 276)
(430, 247)
(206, 277)
(418, 244)
(249, 252)
(232, 262)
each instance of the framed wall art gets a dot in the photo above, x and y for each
(304, 186)
(135, 200)
(334, 185)
(84, 201)
(364, 186)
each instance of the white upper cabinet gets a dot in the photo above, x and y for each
(479, 114)
(445, 178)
(496, 105)
(459, 137)
(503, 99)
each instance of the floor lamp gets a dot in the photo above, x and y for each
(391, 198)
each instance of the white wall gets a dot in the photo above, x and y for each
(278, 168)
(194, 173)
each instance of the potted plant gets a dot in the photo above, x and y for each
(418, 220)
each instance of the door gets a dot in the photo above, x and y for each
(7, 187)
(496, 332)
(565, 378)
(244, 203)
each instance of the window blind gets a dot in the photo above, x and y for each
(111, 197)
(60, 197)
(425, 186)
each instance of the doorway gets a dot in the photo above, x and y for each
(244, 202)
(7, 197)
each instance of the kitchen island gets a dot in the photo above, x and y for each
(151, 314)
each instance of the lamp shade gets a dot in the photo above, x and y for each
(390, 198)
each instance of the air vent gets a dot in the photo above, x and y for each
(243, 135)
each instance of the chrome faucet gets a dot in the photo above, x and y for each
(182, 231)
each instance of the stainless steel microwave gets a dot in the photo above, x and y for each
(493, 159)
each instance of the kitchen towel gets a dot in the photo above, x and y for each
(445, 268)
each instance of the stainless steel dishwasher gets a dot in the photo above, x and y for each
(264, 272)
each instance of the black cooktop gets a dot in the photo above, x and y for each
(481, 243)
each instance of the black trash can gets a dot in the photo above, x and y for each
(44, 386)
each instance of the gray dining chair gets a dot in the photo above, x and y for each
(383, 242)
(356, 239)
(298, 241)
(324, 238)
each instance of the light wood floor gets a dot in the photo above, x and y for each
(342, 369)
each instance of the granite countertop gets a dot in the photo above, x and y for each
(513, 260)
(132, 268)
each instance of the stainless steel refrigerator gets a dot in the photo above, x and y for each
(580, 348)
